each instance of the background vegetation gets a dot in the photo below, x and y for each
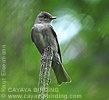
(82, 27)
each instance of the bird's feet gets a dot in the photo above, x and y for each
(47, 54)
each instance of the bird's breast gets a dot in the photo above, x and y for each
(44, 37)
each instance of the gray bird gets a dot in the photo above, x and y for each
(43, 35)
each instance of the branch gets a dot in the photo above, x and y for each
(44, 76)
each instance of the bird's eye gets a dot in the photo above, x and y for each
(44, 16)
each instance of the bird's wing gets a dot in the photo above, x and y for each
(32, 34)
(54, 33)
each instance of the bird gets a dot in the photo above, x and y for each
(43, 35)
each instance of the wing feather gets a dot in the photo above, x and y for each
(54, 33)
(32, 34)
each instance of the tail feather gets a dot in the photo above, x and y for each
(60, 73)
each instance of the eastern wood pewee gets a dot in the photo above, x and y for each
(43, 35)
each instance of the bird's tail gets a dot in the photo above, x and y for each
(60, 73)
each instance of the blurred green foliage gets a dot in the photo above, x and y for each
(88, 69)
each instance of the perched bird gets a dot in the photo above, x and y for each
(43, 35)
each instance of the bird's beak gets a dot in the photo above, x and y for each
(53, 18)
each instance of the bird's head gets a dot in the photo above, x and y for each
(44, 17)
